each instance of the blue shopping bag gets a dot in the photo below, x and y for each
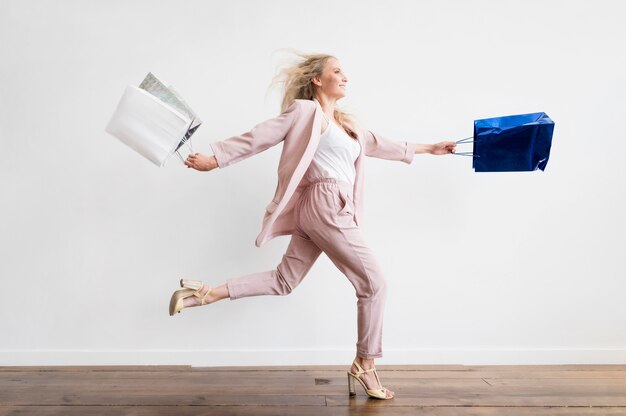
(512, 143)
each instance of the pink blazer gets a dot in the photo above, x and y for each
(298, 127)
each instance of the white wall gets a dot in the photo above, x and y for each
(482, 268)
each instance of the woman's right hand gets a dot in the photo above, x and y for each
(201, 162)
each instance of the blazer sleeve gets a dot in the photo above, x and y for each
(262, 136)
(381, 147)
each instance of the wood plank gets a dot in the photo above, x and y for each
(411, 367)
(429, 390)
(388, 367)
(360, 409)
(87, 368)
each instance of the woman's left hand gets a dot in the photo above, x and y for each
(443, 148)
(200, 161)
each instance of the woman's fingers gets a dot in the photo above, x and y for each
(443, 148)
(193, 160)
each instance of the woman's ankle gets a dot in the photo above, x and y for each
(365, 362)
(219, 292)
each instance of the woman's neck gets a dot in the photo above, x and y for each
(328, 106)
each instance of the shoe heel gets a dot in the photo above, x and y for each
(191, 284)
(176, 301)
(351, 388)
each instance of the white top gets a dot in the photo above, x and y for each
(335, 155)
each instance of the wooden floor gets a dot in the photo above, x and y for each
(312, 390)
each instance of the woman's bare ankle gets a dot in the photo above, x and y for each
(365, 362)
(219, 292)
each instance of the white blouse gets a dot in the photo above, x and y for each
(335, 155)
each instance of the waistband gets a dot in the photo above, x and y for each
(343, 185)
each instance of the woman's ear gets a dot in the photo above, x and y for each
(316, 81)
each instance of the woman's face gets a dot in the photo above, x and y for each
(333, 81)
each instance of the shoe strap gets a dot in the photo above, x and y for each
(203, 298)
(377, 379)
(361, 370)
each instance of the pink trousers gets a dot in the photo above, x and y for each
(325, 222)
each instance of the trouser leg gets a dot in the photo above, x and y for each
(295, 264)
(358, 263)
(328, 219)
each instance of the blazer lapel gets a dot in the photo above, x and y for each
(305, 160)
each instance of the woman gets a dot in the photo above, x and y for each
(318, 201)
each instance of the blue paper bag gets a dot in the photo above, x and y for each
(512, 143)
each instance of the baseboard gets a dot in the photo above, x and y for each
(205, 358)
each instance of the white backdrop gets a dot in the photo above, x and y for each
(482, 267)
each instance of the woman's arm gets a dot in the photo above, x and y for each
(376, 145)
(441, 148)
(237, 148)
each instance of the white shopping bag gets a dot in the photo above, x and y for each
(153, 120)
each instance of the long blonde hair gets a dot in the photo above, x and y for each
(298, 85)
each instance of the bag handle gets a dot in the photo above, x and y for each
(465, 141)
(186, 140)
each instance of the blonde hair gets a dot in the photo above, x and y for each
(297, 80)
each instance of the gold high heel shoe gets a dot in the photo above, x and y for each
(191, 288)
(375, 393)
